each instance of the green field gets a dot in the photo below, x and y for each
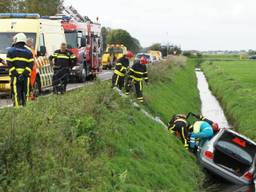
(234, 83)
(93, 140)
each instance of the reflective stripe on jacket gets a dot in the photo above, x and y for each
(20, 60)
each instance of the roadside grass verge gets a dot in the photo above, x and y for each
(93, 140)
(174, 88)
(233, 82)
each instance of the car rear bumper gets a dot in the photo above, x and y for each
(222, 172)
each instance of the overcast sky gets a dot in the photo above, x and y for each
(192, 24)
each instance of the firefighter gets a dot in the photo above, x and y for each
(178, 125)
(20, 63)
(137, 73)
(120, 71)
(214, 125)
(63, 61)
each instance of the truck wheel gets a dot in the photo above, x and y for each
(82, 78)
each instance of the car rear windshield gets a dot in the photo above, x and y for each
(6, 40)
(235, 151)
(237, 145)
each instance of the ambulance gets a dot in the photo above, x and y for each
(47, 36)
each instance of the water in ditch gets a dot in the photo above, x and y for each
(211, 108)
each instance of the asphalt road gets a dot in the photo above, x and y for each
(5, 101)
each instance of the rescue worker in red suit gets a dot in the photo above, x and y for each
(20, 63)
(30, 46)
(137, 73)
(178, 125)
(120, 71)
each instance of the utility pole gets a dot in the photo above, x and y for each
(167, 45)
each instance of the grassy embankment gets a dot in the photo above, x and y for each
(234, 83)
(93, 140)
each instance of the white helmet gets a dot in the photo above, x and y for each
(19, 38)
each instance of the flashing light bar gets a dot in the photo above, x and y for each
(20, 15)
(57, 17)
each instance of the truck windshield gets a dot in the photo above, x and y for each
(115, 50)
(6, 40)
(71, 38)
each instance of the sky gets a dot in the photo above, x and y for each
(191, 24)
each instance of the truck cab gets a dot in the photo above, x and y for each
(83, 39)
(76, 42)
(112, 54)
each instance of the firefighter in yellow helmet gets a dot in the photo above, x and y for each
(120, 70)
(20, 62)
(137, 73)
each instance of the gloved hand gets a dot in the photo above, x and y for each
(21, 77)
(26, 73)
(147, 82)
(192, 143)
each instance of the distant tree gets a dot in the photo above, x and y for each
(175, 50)
(155, 47)
(187, 53)
(120, 36)
(136, 45)
(11, 6)
(43, 7)
(170, 49)
(104, 32)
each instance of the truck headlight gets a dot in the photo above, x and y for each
(75, 68)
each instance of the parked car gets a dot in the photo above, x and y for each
(149, 57)
(229, 155)
(253, 57)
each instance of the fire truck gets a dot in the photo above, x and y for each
(84, 39)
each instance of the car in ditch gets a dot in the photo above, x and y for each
(229, 155)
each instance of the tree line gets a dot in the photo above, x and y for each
(43, 7)
(120, 36)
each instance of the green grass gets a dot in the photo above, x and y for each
(222, 57)
(93, 140)
(176, 91)
(234, 83)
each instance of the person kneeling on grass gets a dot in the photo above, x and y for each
(178, 125)
(202, 132)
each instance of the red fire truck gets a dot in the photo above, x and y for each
(84, 39)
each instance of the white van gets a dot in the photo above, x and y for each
(47, 35)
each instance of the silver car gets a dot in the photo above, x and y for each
(229, 155)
